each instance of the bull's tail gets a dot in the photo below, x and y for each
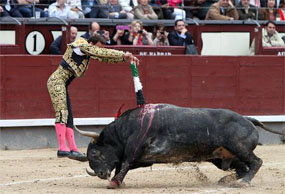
(259, 124)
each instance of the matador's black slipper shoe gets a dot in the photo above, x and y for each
(77, 156)
(62, 154)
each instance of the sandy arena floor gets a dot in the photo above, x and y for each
(39, 171)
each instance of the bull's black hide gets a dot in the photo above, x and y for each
(163, 133)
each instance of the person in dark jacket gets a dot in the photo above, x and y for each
(111, 10)
(248, 11)
(94, 27)
(9, 8)
(55, 47)
(180, 36)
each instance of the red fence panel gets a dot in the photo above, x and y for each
(248, 85)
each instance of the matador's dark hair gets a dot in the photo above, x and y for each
(96, 38)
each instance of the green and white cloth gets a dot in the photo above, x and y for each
(137, 84)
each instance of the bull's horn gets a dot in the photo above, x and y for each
(88, 133)
(90, 173)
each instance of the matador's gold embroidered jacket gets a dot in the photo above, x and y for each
(77, 55)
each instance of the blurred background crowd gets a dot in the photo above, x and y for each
(146, 9)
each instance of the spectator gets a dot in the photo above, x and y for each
(198, 8)
(180, 36)
(86, 7)
(94, 27)
(144, 11)
(100, 9)
(162, 9)
(113, 10)
(222, 10)
(75, 9)
(128, 6)
(177, 13)
(194, 10)
(159, 36)
(281, 11)
(270, 37)
(137, 35)
(8, 8)
(256, 3)
(270, 12)
(26, 8)
(55, 47)
(247, 11)
(59, 9)
(157, 7)
(119, 33)
(116, 11)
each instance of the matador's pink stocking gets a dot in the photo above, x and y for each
(70, 139)
(60, 132)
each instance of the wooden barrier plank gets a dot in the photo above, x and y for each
(249, 85)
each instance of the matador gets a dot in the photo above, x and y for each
(74, 64)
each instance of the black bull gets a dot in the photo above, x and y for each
(163, 133)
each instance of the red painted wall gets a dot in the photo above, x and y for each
(248, 85)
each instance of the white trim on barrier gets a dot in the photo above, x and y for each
(50, 122)
(270, 118)
(102, 121)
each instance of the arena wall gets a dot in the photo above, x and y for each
(247, 85)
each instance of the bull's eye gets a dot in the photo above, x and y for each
(95, 154)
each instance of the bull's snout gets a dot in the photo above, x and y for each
(103, 174)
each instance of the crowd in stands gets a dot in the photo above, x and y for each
(134, 34)
(146, 9)
(137, 10)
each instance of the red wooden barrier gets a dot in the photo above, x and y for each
(279, 51)
(10, 49)
(248, 85)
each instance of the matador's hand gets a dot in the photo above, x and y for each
(131, 58)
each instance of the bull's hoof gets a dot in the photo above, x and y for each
(115, 185)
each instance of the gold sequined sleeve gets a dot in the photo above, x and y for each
(103, 54)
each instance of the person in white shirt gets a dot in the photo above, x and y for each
(128, 6)
(75, 9)
(59, 9)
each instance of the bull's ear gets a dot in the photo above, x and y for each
(92, 134)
